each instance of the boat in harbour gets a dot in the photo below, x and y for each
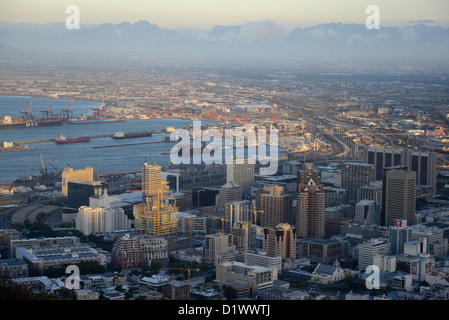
(8, 123)
(86, 121)
(124, 135)
(61, 139)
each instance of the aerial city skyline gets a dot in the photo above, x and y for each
(211, 152)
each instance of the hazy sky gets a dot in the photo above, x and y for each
(204, 14)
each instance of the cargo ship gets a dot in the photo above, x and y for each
(86, 121)
(61, 139)
(8, 123)
(125, 135)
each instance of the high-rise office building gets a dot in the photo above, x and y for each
(276, 206)
(240, 236)
(354, 176)
(425, 166)
(238, 211)
(310, 215)
(280, 241)
(229, 192)
(192, 224)
(367, 212)
(400, 196)
(383, 158)
(399, 234)
(90, 220)
(385, 263)
(151, 181)
(244, 236)
(217, 244)
(69, 174)
(241, 174)
(155, 216)
(369, 249)
(80, 192)
(384, 189)
(335, 196)
(422, 162)
(372, 191)
(308, 173)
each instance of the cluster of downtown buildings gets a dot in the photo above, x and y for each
(318, 224)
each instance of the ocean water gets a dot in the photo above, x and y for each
(119, 159)
(15, 164)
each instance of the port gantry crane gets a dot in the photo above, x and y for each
(98, 111)
(48, 113)
(67, 112)
(27, 112)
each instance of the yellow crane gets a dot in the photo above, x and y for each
(193, 223)
(188, 269)
(222, 220)
(255, 212)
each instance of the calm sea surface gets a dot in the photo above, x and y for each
(120, 159)
(79, 155)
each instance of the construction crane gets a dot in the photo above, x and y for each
(30, 173)
(155, 208)
(222, 220)
(255, 212)
(44, 170)
(188, 269)
(193, 223)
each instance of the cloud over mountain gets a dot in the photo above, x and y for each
(262, 38)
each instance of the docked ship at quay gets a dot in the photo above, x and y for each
(8, 123)
(86, 120)
(125, 135)
(27, 120)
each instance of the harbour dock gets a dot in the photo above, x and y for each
(92, 137)
(128, 144)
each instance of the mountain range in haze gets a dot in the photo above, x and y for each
(261, 39)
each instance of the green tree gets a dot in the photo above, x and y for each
(67, 294)
(13, 291)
